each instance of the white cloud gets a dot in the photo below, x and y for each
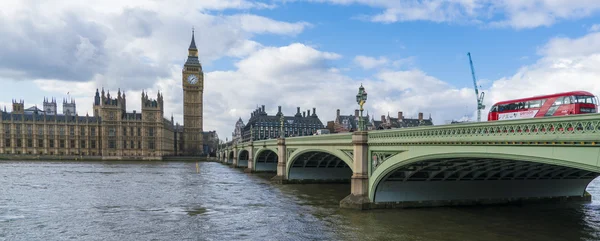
(367, 62)
(594, 28)
(517, 14)
(55, 47)
(136, 53)
(567, 64)
(414, 91)
(258, 24)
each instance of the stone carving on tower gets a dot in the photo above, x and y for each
(193, 89)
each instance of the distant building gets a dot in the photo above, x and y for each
(111, 132)
(211, 140)
(236, 136)
(387, 122)
(331, 126)
(348, 123)
(266, 126)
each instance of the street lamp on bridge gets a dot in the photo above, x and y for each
(361, 98)
(281, 135)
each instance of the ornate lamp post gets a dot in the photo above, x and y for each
(281, 134)
(361, 98)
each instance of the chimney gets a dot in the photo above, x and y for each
(356, 113)
(297, 110)
(278, 109)
(420, 116)
(400, 117)
(382, 118)
(303, 113)
(314, 111)
(337, 113)
(308, 113)
(263, 108)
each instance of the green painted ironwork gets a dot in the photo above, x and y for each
(574, 129)
(378, 157)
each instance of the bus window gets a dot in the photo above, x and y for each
(558, 101)
(584, 99)
(567, 100)
(534, 103)
(494, 109)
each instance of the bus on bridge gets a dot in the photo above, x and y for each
(567, 103)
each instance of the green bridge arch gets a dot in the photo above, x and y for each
(325, 153)
(270, 159)
(576, 158)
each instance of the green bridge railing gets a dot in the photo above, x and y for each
(569, 130)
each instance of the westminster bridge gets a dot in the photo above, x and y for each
(553, 158)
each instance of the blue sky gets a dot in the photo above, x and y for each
(410, 55)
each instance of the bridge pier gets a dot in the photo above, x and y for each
(281, 177)
(359, 196)
(235, 157)
(250, 167)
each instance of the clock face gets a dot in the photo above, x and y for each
(192, 79)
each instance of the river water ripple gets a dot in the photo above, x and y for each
(178, 201)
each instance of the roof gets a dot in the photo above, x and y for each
(351, 121)
(192, 60)
(132, 116)
(193, 43)
(274, 121)
(6, 116)
(33, 109)
(545, 97)
(403, 123)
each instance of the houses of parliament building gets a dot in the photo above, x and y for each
(112, 132)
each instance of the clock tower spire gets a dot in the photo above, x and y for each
(193, 90)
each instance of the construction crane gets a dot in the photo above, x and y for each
(480, 105)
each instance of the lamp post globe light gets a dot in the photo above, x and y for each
(361, 98)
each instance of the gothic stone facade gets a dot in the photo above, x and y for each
(111, 133)
(236, 136)
(193, 91)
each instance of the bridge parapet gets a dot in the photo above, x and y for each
(571, 130)
(339, 138)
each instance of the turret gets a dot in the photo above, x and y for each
(69, 108)
(97, 98)
(49, 106)
(103, 96)
(18, 107)
(124, 102)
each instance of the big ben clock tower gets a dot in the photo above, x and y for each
(193, 88)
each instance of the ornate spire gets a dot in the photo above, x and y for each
(193, 43)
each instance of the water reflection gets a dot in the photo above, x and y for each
(210, 201)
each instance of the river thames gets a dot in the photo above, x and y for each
(211, 201)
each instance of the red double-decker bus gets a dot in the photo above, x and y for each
(567, 103)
